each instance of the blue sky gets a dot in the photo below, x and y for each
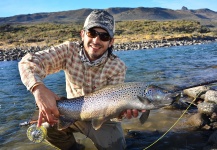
(16, 7)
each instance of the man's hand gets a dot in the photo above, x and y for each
(46, 101)
(130, 113)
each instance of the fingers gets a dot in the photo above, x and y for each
(135, 113)
(56, 113)
(51, 119)
(143, 110)
(130, 113)
(47, 117)
(46, 101)
(40, 117)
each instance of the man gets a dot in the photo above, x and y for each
(88, 67)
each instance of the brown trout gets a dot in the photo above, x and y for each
(110, 101)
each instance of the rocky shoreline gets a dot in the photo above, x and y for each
(17, 53)
(204, 116)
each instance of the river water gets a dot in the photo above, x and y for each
(166, 67)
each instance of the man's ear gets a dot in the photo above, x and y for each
(82, 35)
(111, 42)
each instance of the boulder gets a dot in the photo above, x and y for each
(198, 120)
(193, 92)
(211, 96)
(207, 108)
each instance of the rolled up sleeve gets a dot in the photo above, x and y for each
(34, 68)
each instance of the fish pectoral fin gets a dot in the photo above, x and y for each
(64, 123)
(97, 123)
(144, 116)
(143, 100)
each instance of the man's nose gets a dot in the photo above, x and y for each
(96, 39)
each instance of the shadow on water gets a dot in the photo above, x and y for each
(185, 140)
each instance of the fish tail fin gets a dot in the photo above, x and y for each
(144, 116)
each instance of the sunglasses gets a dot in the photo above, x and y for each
(102, 35)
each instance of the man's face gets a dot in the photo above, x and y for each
(95, 47)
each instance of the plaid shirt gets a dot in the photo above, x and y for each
(80, 78)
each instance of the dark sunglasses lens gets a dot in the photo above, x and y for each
(91, 33)
(102, 36)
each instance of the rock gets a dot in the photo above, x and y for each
(198, 120)
(214, 125)
(211, 96)
(184, 8)
(207, 108)
(213, 117)
(17, 53)
(193, 92)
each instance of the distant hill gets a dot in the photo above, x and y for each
(119, 14)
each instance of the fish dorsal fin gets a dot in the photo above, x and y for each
(63, 123)
(144, 116)
(143, 100)
(97, 122)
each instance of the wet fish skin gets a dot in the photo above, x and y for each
(110, 101)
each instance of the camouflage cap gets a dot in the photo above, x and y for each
(102, 19)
